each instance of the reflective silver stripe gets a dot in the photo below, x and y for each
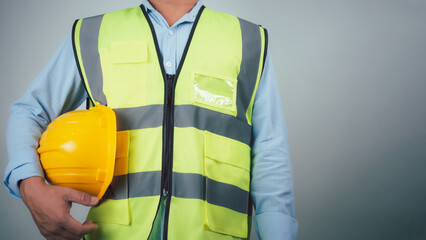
(212, 121)
(252, 48)
(118, 188)
(145, 184)
(190, 185)
(150, 116)
(185, 116)
(227, 195)
(89, 37)
(141, 184)
(185, 185)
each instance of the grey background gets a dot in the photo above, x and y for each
(352, 77)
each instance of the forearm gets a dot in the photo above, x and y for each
(57, 89)
(23, 133)
(272, 190)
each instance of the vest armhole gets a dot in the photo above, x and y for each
(261, 64)
(265, 51)
(90, 101)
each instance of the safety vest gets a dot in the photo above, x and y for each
(189, 134)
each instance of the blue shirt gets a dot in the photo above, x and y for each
(59, 89)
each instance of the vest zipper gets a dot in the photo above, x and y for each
(168, 120)
(169, 96)
(168, 133)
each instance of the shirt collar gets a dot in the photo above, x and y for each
(189, 17)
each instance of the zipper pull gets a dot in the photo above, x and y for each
(165, 192)
(170, 79)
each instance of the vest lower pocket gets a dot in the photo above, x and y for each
(222, 220)
(115, 207)
(226, 167)
(111, 211)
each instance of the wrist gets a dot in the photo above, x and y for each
(29, 183)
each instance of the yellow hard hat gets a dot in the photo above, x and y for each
(78, 150)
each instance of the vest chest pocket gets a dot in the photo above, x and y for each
(125, 73)
(115, 207)
(215, 92)
(227, 171)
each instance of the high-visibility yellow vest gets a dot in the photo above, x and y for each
(189, 135)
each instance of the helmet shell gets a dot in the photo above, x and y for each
(77, 150)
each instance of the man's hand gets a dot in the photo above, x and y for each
(50, 207)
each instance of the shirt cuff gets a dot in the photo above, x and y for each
(274, 225)
(22, 172)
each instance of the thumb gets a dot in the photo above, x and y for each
(83, 198)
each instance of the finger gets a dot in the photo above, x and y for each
(89, 226)
(73, 226)
(63, 235)
(80, 197)
(79, 229)
(87, 221)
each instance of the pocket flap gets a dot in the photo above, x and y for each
(122, 154)
(226, 150)
(129, 52)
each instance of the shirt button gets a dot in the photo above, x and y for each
(168, 64)
(170, 32)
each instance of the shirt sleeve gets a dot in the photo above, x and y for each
(272, 180)
(56, 90)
